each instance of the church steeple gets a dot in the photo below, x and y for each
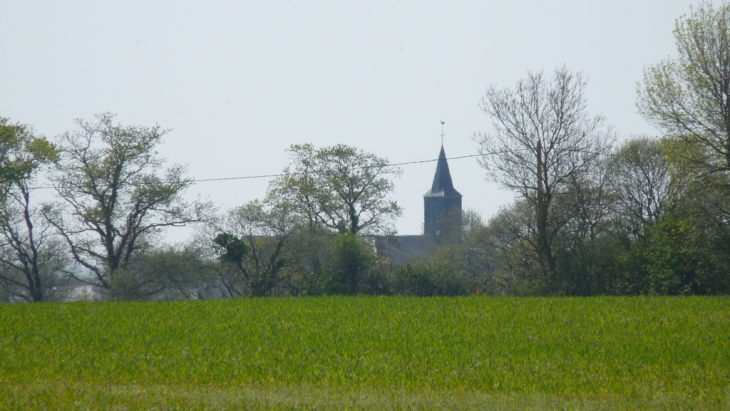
(442, 201)
(442, 182)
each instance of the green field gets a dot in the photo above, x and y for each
(369, 353)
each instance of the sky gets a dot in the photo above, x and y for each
(238, 82)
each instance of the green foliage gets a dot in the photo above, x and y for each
(22, 153)
(676, 257)
(230, 248)
(340, 188)
(128, 285)
(308, 254)
(651, 224)
(116, 195)
(31, 261)
(167, 272)
(252, 243)
(632, 352)
(351, 266)
(268, 250)
(442, 274)
(671, 255)
(688, 96)
(642, 182)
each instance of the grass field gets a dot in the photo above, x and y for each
(369, 353)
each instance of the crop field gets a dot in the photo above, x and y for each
(368, 353)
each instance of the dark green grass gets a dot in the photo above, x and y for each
(584, 353)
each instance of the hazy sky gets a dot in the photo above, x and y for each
(240, 81)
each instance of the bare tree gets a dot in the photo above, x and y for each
(508, 249)
(641, 181)
(33, 261)
(116, 195)
(543, 141)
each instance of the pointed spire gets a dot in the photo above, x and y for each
(442, 185)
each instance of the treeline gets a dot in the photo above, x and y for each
(114, 199)
(645, 216)
(594, 213)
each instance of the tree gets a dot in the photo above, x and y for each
(308, 256)
(641, 182)
(340, 188)
(351, 266)
(31, 259)
(689, 97)
(297, 188)
(165, 272)
(252, 243)
(588, 201)
(22, 153)
(443, 273)
(543, 141)
(116, 195)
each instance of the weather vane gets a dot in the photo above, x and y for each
(442, 131)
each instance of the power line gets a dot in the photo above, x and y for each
(204, 180)
(279, 175)
(238, 178)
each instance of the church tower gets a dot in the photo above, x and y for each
(442, 203)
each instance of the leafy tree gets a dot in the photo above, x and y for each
(543, 142)
(230, 249)
(340, 188)
(116, 195)
(309, 253)
(444, 273)
(351, 266)
(689, 97)
(166, 272)
(31, 259)
(21, 153)
(252, 242)
(507, 247)
(676, 256)
(297, 189)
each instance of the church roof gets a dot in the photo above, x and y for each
(442, 185)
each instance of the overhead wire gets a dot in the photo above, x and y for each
(204, 180)
(279, 175)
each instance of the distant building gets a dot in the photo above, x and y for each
(441, 221)
(442, 203)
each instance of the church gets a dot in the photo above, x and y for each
(442, 202)
(441, 219)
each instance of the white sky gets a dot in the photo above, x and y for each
(239, 81)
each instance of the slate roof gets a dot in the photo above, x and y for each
(401, 249)
(442, 185)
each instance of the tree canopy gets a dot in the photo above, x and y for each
(543, 141)
(688, 96)
(31, 261)
(116, 195)
(341, 188)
